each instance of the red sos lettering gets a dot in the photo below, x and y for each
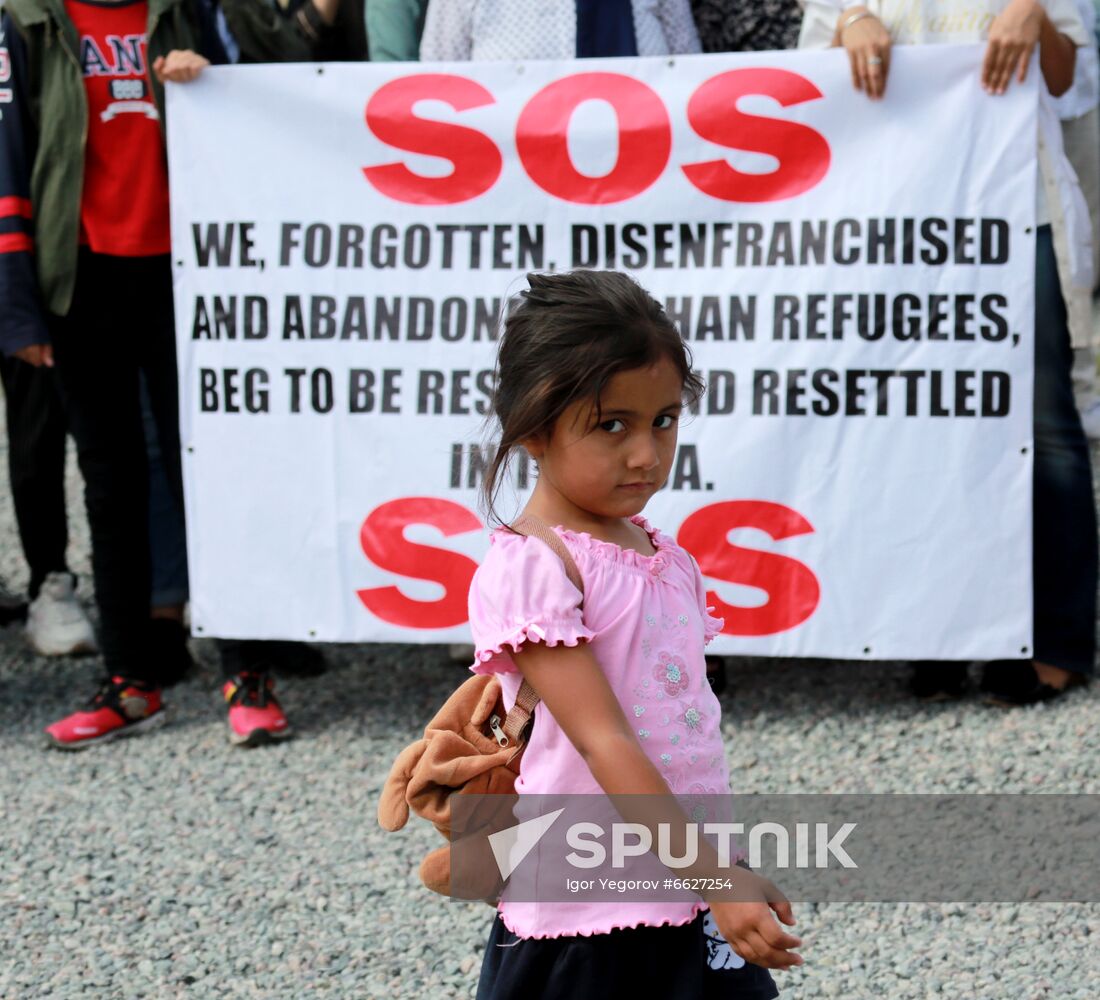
(803, 154)
(476, 159)
(382, 538)
(644, 138)
(793, 590)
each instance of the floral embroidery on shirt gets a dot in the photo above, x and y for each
(692, 717)
(671, 672)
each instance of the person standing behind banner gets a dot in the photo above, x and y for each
(1064, 515)
(57, 624)
(562, 29)
(89, 290)
(394, 28)
(252, 32)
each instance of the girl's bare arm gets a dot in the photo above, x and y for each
(575, 692)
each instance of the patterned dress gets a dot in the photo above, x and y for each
(747, 25)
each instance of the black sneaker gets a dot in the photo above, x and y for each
(1010, 683)
(939, 680)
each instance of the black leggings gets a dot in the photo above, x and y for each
(1064, 536)
(36, 464)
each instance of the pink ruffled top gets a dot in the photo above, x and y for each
(646, 621)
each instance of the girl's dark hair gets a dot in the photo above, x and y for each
(563, 340)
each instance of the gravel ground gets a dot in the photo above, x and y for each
(175, 866)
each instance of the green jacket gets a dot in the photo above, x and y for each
(58, 113)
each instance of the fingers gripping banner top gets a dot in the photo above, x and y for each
(855, 280)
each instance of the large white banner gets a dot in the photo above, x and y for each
(854, 279)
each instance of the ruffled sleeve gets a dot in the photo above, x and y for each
(711, 626)
(521, 594)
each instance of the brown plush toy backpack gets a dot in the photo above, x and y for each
(470, 747)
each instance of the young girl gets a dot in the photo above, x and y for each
(591, 379)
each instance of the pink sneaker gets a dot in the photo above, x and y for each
(255, 715)
(119, 708)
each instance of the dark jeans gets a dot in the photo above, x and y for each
(167, 532)
(241, 654)
(1064, 521)
(120, 325)
(36, 465)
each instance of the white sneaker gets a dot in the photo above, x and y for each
(56, 623)
(1090, 420)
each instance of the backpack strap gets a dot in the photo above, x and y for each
(528, 524)
(527, 699)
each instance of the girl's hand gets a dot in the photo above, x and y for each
(1013, 36)
(867, 43)
(179, 66)
(749, 927)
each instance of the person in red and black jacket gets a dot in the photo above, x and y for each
(57, 624)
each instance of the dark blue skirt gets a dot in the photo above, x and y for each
(667, 963)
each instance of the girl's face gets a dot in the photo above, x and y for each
(610, 470)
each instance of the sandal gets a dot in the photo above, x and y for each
(1010, 683)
